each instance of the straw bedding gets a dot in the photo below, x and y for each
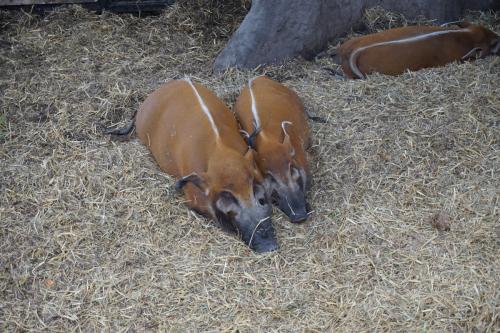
(94, 237)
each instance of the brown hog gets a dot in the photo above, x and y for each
(194, 136)
(276, 118)
(412, 48)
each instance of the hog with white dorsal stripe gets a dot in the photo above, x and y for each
(412, 48)
(194, 136)
(275, 121)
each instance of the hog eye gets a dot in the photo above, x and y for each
(259, 193)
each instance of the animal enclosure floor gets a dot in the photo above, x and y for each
(93, 236)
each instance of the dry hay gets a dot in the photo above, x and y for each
(376, 19)
(93, 236)
(215, 19)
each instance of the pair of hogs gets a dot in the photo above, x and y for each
(231, 168)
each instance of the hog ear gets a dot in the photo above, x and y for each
(257, 175)
(250, 157)
(460, 24)
(252, 136)
(463, 24)
(284, 125)
(195, 179)
(473, 53)
(495, 46)
(226, 206)
(227, 203)
(286, 138)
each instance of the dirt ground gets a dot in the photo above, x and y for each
(93, 236)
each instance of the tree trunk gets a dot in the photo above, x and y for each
(275, 30)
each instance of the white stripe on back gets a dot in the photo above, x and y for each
(254, 105)
(203, 106)
(354, 56)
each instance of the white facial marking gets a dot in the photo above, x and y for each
(255, 229)
(289, 206)
(354, 55)
(203, 106)
(471, 53)
(283, 126)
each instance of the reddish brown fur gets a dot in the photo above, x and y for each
(178, 133)
(281, 154)
(435, 51)
(276, 103)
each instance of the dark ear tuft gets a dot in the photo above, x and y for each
(193, 178)
(252, 137)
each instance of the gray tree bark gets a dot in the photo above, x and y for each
(276, 30)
